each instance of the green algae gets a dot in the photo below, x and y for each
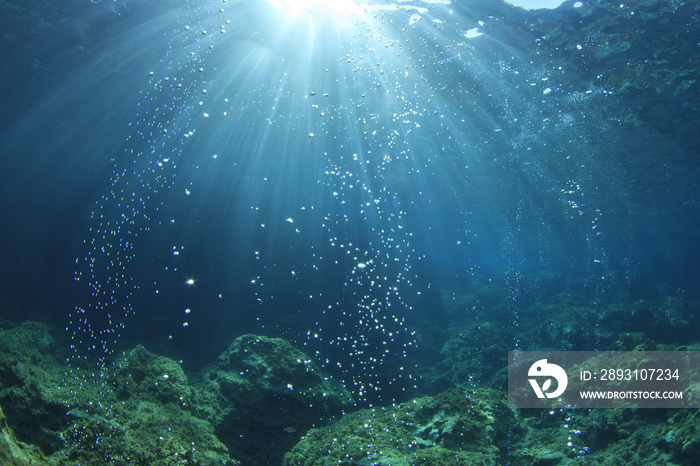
(240, 409)
(468, 427)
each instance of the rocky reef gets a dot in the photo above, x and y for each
(454, 427)
(263, 401)
(251, 405)
(476, 426)
(261, 394)
(12, 452)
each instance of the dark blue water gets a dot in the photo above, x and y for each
(180, 175)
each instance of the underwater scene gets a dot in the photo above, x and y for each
(309, 232)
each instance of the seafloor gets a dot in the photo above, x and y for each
(262, 401)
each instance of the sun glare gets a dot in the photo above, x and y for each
(338, 9)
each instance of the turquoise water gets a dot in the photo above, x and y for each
(368, 180)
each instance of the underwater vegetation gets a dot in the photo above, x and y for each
(263, 401)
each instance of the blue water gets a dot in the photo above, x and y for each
(185, 172)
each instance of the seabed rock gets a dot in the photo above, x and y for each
(263, 394)
(14, 453)
(31, 372)
(454, 427)
(264, 402)
(251, 404)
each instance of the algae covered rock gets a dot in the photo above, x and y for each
(455, 427)
(133, 412)
(14, 453)
(255, 401)
(143, 419)
(31, 373)
(267, 394)
(254, 367)
(151, 377)
(143, 433)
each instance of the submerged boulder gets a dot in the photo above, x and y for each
(454, 427)
(135, 411)
(140, 415)
(255, 367)
(14, 453)
(31, 381)
(267, 393)
(152, 377)
(255, 401)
